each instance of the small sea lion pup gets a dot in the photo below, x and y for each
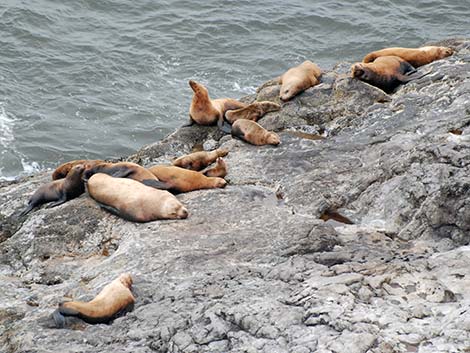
(296, 80)
(124, 170)
(386, 72)
(206, 111)
(62, 170)
(254, 133)
(113, 299)
(219, 170)
(415, 56)
(184, 180)
(134, 201)
(199, 160)
(58, 191)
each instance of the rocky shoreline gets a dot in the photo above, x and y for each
(270, 263)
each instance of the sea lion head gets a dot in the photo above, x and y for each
(359, 71)
(173, 209)
(126, 280)
(273, 139)
(445, 52)
(198, 88)
(287, 92)
(79, 168)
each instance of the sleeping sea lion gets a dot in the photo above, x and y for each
(184, 180)
(62, 170)
(199, 160)
(58, 191)
(254, 133)
(219, 170)
(415, 56)
(386, 72)
(296, 80)
(253, 111)
(105, 307)
(124, 170)
(132, 200)
(206, 111)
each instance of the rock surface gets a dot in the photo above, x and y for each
(266, 265)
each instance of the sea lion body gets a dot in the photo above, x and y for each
(206, 111)
(134, 201)
(199, 160)
(386, 72)
(62, 170)
(58, 191)
(415, 56)
(113, 298)
(124, 170)
(219, 170)
(184, 180)
(253, 111)
(254, 133)
(298, 79)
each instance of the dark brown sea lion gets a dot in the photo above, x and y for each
(219, 170)
(254, 133)
(134, 201)
(62, 170)
(206, 111)
(199, 160)
(124, 170)
(254, 111)
(185, 180)
(386, 72)
(415, 56)
(105, 307)
(58, 191)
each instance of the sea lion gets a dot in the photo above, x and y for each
(254, 133)
(184, 180)
(105, 307)
(58, 191)
(219, 170)
(62, 170)
(199, 160)
(296, 80)
(386, 72)
(132, 200)
(253, 111)
(415, 56)
(206, 111)
(124, 170)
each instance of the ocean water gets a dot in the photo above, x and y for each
(100, 79)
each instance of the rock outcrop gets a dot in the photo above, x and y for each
(350, 236)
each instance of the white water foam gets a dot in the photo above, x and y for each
(7, 121)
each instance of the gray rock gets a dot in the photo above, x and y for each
(272, 262)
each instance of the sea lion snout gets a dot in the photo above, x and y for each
(357, 70)
(182, 213)
(126, 279)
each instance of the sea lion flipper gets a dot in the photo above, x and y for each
(27, 210)
(414, 76)
(157, 184)
(189, 123)
(224, 125)
(57, 203)
(64, 311)
(58, 318)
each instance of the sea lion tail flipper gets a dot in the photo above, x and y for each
(224, 126)
(157, 184)
(414, 75)
(58, 318)
(189, 123)
(57, 203)
(67, 311)
(27, 210)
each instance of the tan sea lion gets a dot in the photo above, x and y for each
(199, 160)
(134, 201)
(105, 307)
(219, 170)
(185, 180)
(254, 133)
(58, 191)
(415, 56)
(296, 80)
(62, 170)
(386, 72)
(124, 170)
(206, 111)
(254, 111)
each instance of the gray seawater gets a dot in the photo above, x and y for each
(100, 79)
